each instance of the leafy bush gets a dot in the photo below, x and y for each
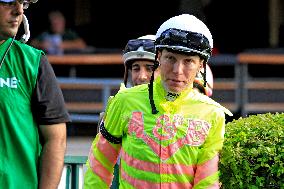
(253, 153)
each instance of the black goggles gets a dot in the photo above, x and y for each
(134, 44)
(191, 40)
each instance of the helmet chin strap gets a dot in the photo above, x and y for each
(26, 36)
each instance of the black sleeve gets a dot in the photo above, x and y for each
(48, 104)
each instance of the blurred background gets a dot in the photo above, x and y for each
(236, 25)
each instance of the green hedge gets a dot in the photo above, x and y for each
(253, 153)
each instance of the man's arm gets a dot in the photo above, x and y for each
(207, 171)
(52, 157)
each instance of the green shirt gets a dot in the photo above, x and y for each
(19, 140)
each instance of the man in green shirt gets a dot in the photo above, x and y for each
(32, 111)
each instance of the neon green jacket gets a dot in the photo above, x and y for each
(174, 149)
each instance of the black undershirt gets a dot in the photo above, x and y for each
(48, 104)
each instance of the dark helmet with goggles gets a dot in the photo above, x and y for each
(142, 48)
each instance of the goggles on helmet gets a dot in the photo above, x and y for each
(12, 3)
(135, 44)
(184, 41)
